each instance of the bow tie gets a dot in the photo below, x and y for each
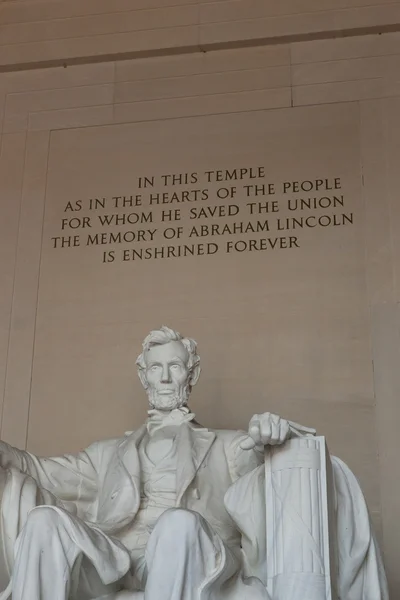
(159, 419)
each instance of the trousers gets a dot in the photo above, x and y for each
(58, 556)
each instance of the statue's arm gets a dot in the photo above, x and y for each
(11, 457)
(68, 477)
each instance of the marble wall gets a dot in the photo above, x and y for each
(309, 327)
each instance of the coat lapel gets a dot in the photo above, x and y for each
(120, 498)
(129, 456)
(194, 442)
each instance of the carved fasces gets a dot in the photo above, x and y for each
(300, 548)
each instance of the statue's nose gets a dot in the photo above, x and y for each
(165, 376)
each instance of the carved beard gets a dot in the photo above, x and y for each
(169, 401)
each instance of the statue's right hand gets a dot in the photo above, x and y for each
(266, 429)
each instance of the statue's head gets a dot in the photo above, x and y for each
(168, 368)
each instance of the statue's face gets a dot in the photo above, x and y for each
(167, 375)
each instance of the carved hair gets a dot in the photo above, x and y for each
(164, 335)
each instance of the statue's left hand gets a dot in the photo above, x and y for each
(269, 429)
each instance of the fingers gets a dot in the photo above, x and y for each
(255, 432)
(269, 429)
(285, 429)
(272, 430)
(275, 432)
(248, 443)
(254, 437)
(301, 428)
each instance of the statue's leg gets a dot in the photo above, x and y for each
(183, 556)
(48, 551)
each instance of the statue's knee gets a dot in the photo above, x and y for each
(43, 519)
(178, 521)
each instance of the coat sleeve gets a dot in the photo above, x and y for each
(360, 568)
(70, 478)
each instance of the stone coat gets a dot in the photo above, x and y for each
(102, 483)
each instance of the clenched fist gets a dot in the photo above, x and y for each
(269, 429)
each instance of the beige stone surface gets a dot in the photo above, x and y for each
(48, 32)
(114, 22)
(235, 10)
(47, 10)
(25, 290)
(214, 83)
(375, 67)
(58, 78)
(379, 147)
(205, 104)
(11, 174)
(70, 117)
(347, 91)
(254, 26)
(19, 104)
(220, 61)
(385, 338)
(391, 127)
(345, 49)
(65, 49)
(379, 226)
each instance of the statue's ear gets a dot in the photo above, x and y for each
(195, 374)
(143, 378)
